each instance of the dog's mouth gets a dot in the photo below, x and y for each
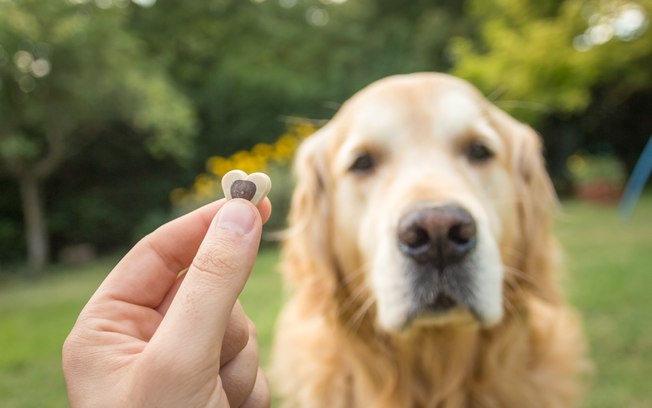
(439, 310)
(440, 305)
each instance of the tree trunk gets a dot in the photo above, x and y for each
(35, 229)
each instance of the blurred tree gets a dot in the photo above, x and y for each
(249, 64)
(83, 69)
(69, 69)
(555, 52)
(550, 62)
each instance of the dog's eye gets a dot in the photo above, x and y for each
(364, 163)
(477, 152)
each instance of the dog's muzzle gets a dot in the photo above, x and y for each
(437, 242)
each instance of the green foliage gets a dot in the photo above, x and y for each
(12, 245)
(115, 213)
(586, 169)
(73, 68)
(20, 147)
(247, 65)
(280, 196)
(69, 70)
(541, 53)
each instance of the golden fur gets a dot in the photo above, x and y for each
(330, 350)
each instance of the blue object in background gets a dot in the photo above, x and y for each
(636, 182)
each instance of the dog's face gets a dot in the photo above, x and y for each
(420, 192)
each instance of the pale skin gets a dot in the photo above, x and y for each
(148, 337)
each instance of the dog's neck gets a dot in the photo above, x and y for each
(428, 358)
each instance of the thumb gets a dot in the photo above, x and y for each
(198, 315)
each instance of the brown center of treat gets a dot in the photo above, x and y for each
(243, 189)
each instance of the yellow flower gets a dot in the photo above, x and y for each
(303, 130)
(264, 150)
(240, 156)
(208, 186)
(218, 166)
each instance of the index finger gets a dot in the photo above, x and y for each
(151, 267)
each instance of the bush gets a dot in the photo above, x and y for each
(273, 159)
(597, 178)
(588, 169)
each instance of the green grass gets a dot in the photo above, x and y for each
(34, 320)
(609, 276)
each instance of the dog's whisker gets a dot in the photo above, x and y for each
(357, 291)
(514, 252)
(356, 294)
(509, 306)
(358, 316)
(517, 273)
(354, 275)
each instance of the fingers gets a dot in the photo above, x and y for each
(239, 375)
(237, 334)
(244, 383)
(237, 330)
(197, 318)
(149, 271)
(260, 396)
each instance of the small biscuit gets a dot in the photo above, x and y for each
(253, 187)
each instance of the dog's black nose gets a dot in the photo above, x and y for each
(441, 235)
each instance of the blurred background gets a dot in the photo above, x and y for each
(118, 115)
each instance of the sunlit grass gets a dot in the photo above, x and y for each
(35, 318)
(609, 274)
(608, 277)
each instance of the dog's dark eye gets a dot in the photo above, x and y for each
(477, 152)
(364, 163)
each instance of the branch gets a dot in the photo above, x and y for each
(55, 155)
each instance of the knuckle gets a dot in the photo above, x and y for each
(261, 395)
(265, 393)
(69, 352)
(219, 258)
(253, 333)
(240, 335)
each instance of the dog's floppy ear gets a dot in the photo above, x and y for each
(536, 203)
(308, 262)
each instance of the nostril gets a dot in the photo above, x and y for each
(462, 233)
(415, 237)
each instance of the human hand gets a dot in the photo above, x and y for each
(148, 337)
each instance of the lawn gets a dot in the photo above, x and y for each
(609, 275)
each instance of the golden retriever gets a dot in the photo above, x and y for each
(420, 259)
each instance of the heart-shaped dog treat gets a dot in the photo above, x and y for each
(253, 187)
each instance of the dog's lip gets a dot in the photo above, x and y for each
(444, 308)
(441, 303)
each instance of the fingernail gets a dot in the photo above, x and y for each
(237, 216)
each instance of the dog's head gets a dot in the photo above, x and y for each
(421, 203)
